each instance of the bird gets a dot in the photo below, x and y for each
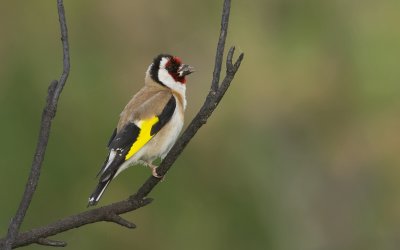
(149, 124)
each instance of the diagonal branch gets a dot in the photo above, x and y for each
(48, 114)
(198, 121)
(111, 213)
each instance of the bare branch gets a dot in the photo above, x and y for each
(231, 70)
(91, 216)
(111, 212)
(48, 114)
(221, 45)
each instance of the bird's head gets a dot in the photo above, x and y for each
(169, 71)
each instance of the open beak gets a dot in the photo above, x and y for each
(185, 70)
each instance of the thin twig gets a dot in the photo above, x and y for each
(48, 114)
(112, 212)
(221, 45)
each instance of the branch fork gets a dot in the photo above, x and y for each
(113, 217)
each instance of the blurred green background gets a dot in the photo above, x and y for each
(302, 153)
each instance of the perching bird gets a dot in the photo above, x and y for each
(149, 124)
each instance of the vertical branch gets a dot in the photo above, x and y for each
(48, 114)
(66, 60)
(221, 45)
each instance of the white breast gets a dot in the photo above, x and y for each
(163, 141)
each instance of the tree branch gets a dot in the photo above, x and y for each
(111, 212)
(107, 213)
(221, 45)
(48, 114)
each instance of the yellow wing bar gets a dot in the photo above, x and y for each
(144, 136)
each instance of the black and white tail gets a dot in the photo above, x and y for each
(107, 173)
(98, 192)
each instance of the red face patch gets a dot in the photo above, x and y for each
(177, 60)
(172, 66)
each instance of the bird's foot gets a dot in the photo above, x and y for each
(154, 171)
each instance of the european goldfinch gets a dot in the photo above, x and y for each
(149, 124)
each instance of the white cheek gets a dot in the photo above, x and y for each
(166, 78)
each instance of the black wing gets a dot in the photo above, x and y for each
(165, 116)
(122, 142)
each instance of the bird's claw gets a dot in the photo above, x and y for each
(154, 173)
